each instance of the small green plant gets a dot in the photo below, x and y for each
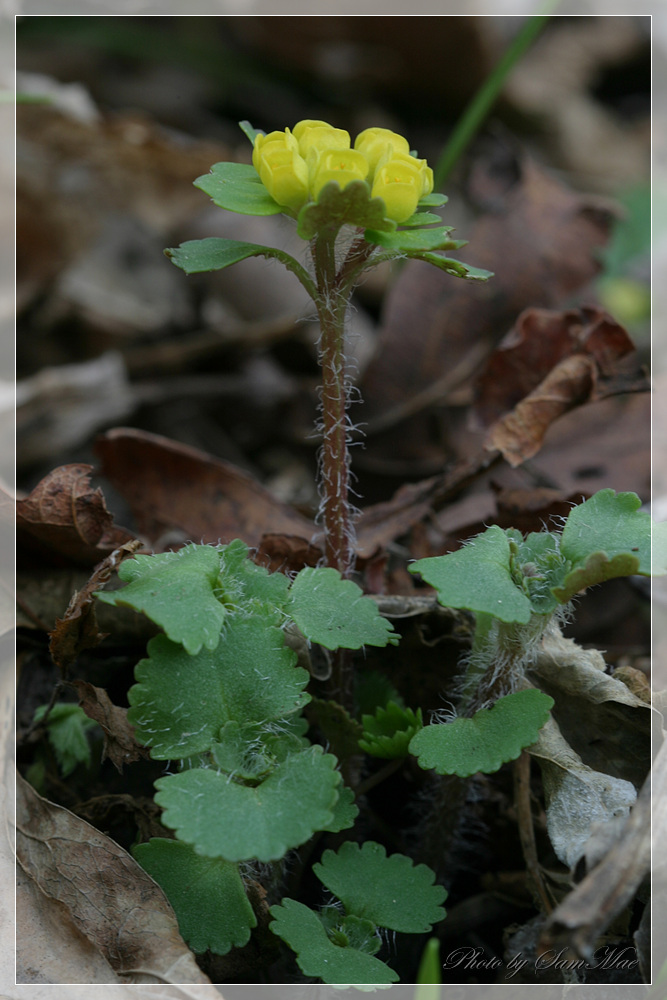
(220, 695)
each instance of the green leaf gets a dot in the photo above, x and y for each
(334, 612)
(181, 702)
(350, 931)
(421, 219)
(429, 973)
(433, 200)
(250, 132)
(214, 254)
(390, 891)
(67, 726)
(605, 537)
(207, 894)
(388, 733)
(237, 187)
(478, 578)
(176, 590)
(335, 207)
(487, 740)
(221, 818)
(319, 957)
(344, 810)
(412, 240)
(454, 267)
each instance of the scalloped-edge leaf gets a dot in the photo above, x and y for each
(605, 537)
(390, 891)
(486, 741)
(335, 613)
(207, 894)
(336, 206)
(317, 956)
(421, 219)
(176, 590)
(221, 818)
(436, 238)
(180, 702)
(455, 267)
(238, 188)
(388, 732)
(345, 811)
(477, 577)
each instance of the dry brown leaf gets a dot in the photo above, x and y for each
(172, 486)
(64, 520)
(604, 723)
(520, 434)
(120, 746)
(582, 917)
(110, 899)
(538, 341)
(77, 629)
(541, 242)
(577, 797)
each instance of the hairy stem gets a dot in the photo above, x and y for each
(334, 457)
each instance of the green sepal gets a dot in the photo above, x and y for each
(455, 267)
(67, 727)
(537, 565)
(250, 751)
(390, 891)
(477, 577)
(180, 703)
(605, 537)
(207, 894)
(486, 741)
(388, 733)
(224, 819)
(335, 613)
(238, 188)
(335, 207)
(317, 956)
(176, 590)
(416, 240)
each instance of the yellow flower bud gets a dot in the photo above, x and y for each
(281, 169)
(342, 166)
(376, 143)
(401, 180)
(319, 136)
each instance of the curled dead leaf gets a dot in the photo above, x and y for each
(64, 520)
(77, 629)
(519, 435)
(120, 746)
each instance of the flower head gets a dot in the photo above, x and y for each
(295, 165)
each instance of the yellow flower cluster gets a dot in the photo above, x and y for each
(294, 166)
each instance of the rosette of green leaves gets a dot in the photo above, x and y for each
(338, 945)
